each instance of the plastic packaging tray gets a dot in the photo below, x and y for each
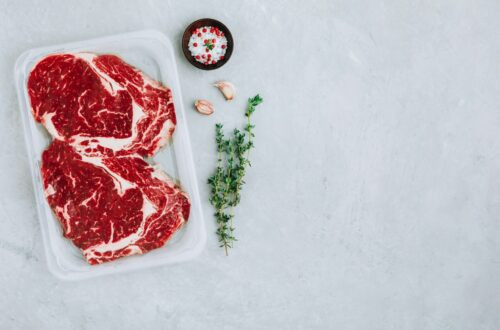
(151, 52)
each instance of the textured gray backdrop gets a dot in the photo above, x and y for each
(374, 197)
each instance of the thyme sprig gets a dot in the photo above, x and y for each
(227, 181)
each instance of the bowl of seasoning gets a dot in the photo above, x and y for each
(207, 44)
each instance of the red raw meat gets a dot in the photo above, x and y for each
(111, 207)
(101, 105)
(104, 116)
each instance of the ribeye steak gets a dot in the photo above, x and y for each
(111, 207)
(100, 104)
(105, 116)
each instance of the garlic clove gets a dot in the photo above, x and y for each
(204, 107)
(226, 88)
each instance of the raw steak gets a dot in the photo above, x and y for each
(101, 105)
(111, 207)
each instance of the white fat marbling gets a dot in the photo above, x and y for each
(121, 184)
(373, 200)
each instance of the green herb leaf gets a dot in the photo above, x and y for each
(227, 181)
(209, 45)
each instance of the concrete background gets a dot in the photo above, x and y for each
(374, 197)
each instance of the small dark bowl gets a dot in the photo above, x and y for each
(206, 22)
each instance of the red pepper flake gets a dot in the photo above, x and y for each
(212, 30)
(206, 50)
(199, 34)
(205, 41)
(221, 57)
(197, 57)
(204, 30)
(217, 33)
(195, 44)
(213, 41)
(223, 46)
(209, 55)
(213, 61)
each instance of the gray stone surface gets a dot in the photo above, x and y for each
(374, 197)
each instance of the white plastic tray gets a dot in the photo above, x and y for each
(151, 52)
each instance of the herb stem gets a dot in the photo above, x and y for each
(249, 137)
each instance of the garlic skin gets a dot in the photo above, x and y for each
(226, 88)
(204, 107)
